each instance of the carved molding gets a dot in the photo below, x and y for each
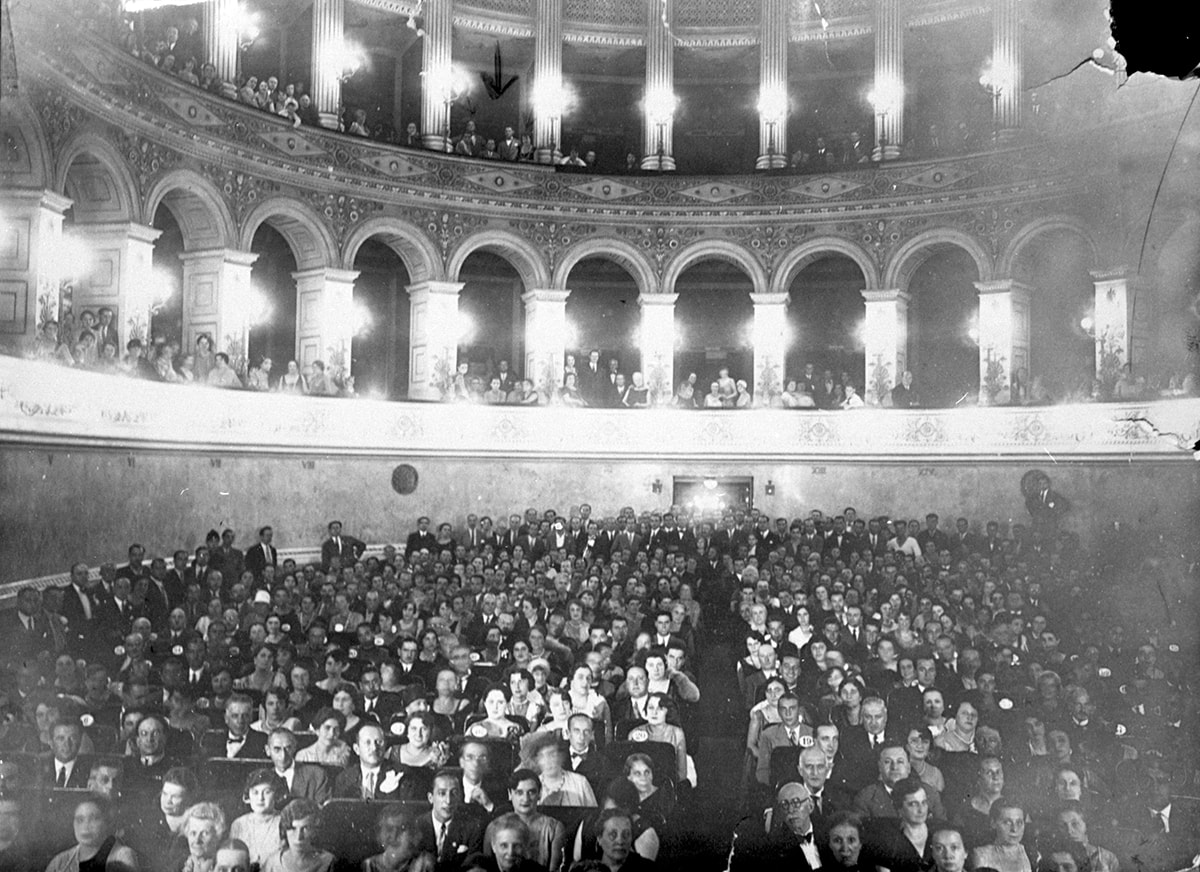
(44, 404)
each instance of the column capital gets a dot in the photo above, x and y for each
(1003, 286)
(652, 301)
(778, 299)
(38, 198)
(129, 229)
(1115, 274)
(545, 295)
(226, 255)
(328, 273)
(885, 295)
(428, 287)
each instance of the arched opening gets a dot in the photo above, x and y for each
(379, 351)
(825, 314)
(490, 303)
(943, 309)
(166, 317)
(603, 313)
(1174, 349)
(713, 323)
(273, 316)
(1062, 355)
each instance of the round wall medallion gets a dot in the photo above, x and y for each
(404, 479)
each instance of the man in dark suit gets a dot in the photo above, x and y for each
(376, 705)
(303, 780)
(371, 777)
(198, 572)
(1046, 507)
(80, 610)
(65, 769)
(593, 381)
(791, 842)
(860, 746)
(25, 630)
(875, 800)
(240, 741)
(263, 554)
(228, 559)
(452, 830)
(151, 762)
(345, 547)
(420, 539)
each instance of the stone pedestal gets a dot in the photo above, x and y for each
(120, 276)
(324, 316)
(216, 293)
(657, 344)
(545, 338)
(31, 270)
(886, 341)
(433, 338)
(770, 346)
(1003, 339)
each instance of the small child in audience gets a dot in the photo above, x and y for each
(259, 828)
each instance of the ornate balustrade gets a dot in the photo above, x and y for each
(44, 405)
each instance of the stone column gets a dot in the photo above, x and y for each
(216, 293)
(328, 39)
(660, 80)
(433, 338)
(886, 340)
(324, 316)
(770, 346)
(1003, 338)
(889, 79)
(32, 270)
(547, 81)
(657, 345)
(772, 85)
(121, 275)
(221, 41)
(545, 337)
(436, 73)
(1007, 56)
(1119, 341)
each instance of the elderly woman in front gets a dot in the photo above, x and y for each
(96, 848)
(204, 828)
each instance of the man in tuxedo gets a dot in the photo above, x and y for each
(263, 554)
(65, 769)
(583, 756)
(342, 546)
(303, 780)
(452, 830)
(420, 539)
(370, 776)
(240, 741)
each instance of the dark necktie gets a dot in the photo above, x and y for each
(61, 781)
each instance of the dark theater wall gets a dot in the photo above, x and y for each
(61, 505)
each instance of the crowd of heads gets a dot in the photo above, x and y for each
(964, 688)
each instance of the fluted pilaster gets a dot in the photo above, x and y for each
(328, 39)
(547, 81)
(436, 73)
(1007, 60)
(221, 38)
(657, 140)
(889, 79)
(772, 85)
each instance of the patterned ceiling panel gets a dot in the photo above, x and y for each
(717, 13)
(618, 13)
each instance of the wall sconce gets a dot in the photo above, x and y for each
(769, 490)
(657, 486)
